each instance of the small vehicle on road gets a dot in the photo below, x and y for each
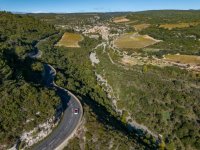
(75, 111)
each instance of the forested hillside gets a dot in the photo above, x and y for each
(133, 97)
(22, 95)
(25, 102)
(161, 98)
(165, 16)
(101, 125)
(178, 30)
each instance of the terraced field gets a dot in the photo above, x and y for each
(70, 40)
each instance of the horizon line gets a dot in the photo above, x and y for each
(46, 12)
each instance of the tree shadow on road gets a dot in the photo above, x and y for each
(64, 96)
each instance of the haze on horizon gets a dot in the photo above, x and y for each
(68, 6)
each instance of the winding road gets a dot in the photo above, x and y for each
(70, 121)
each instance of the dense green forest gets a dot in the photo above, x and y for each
(168, 97)
(75, 19)
(176, 40)
(22, 94)
(183, 41)
(165, 16)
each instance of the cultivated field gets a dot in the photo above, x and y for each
(134, 41)
(185, 59)
(178, 25)
(120, 19)
(70, 40)
(140, 27)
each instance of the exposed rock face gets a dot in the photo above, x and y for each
(94, 58)
(38, 133)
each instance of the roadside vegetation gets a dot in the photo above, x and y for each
(24, 102)
(97, 136)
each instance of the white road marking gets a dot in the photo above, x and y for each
(52, 142)
(57, 139)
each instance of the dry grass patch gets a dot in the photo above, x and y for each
(140, 27)
(120, 19)
(134, 41)
(70, 40)
(132, 22)
(178, 25)
(126, 60)
(184, 59)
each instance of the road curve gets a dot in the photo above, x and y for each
(69, 122)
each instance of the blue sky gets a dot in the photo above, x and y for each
(95, 5)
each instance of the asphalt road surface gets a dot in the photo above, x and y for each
(70, 121)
